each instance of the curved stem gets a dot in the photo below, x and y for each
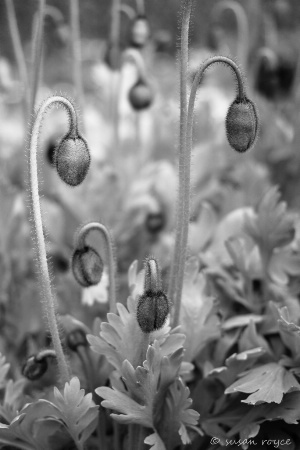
(184, 218)
(152, 276)
(242, 27)
(184, 59)
(17, 46)
(133, 55)
(76, 50)
(85, 230)
(128, 11)
(37, 52)
(140, 6)
(38, 225)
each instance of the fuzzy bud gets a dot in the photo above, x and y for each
(72, 160)
(153, 305)
(241, 124)
(87, 266)
(152, 311)
(140, 95)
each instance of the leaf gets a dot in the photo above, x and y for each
(155, 441)
(241, 321)
(4, 368)
(13, 399)
(265, 383)
(235, 364)
(77, 411)
(251, 339)
(289, 332)
(180, 415)
(122, 339)
(272, 227)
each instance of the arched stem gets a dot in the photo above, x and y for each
(38, 225)
(133, 55)
(76, 52)
(140, 7)
(242, 27)
(18, 50)
(185, 210)
(184, 60)
(128, 11)
(80, 242)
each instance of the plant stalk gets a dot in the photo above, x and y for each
(76, 52)
(38, 227)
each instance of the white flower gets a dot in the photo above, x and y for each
(97, 293)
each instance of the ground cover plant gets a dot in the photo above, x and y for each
(150, 254)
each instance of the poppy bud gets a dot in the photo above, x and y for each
(241, 124)
(140, 95)
(72, 160)
(153, 305)
(76, 338)
(50, 152)
(36, 366)
(155, 222)
(87, 266)
(140, 32)
(152, 311)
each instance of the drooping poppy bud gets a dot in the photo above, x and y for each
(140, 95)
(140, 32)
(241, 124)
(72, 160)
(76, 338)
(155, 222)
(153, 305)
(37, 365)
(87, 266)
(50, 152)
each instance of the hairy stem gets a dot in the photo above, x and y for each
(85, 230)
(184, 59)
(76, 52)
(38, 226)
(37, 53)
(242, 27)
(184, 218)
(18, 49)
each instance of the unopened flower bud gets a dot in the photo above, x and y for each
(140, 32)
(76, 338)
(140, 95)
(36, 366)
(155, 222)
(87, 266)
(241, 124)
(153, 306)
(72, 159)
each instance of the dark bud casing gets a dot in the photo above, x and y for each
(76, 338)
(155, 222)
(34, 369)
(50, 152)
(72, 160)
(87, 266)
(140, 95)
(140, 32)
(152, 311)
(241, 124)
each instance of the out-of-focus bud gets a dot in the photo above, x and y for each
(155, 222)
(72, 160)
(37, 365)
(241, 124)
(87, 266)
(140, 32)
(140, 95)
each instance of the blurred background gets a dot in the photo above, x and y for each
(120, 68)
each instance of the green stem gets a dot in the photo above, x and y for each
(134, 439)
(18, 50)
(184, 218)
(37, 53)
(76, 51)
(242, 27)
(38, 226)
(85, 230)
(21, 445)
(184, 59)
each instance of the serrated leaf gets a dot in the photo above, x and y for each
(4, 368)
(77, 411)
(13, 399)
(265, 383)
(251, 339)
(180, 415)
(289, 332)
(272, 227)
